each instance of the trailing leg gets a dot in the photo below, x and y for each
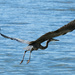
(29, 57)
(23, 57)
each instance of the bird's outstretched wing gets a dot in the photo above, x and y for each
(61, 31)
(19, 40)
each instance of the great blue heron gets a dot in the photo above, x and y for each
(35, 45)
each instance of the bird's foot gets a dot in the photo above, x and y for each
(28, 61)
(21, 61)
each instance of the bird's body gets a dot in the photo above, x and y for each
(35, 45)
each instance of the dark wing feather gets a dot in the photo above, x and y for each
(19, 40)
(61, 31)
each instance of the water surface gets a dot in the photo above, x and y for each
(28, 20)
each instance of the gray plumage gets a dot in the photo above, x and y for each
(35, 45)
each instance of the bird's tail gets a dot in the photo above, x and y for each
(28, 48)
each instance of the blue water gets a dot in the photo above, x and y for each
(28, 20)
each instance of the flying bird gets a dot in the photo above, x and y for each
(48, 37)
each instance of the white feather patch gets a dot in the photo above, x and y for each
(28, 48)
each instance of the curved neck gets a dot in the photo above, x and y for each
(44, 47)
